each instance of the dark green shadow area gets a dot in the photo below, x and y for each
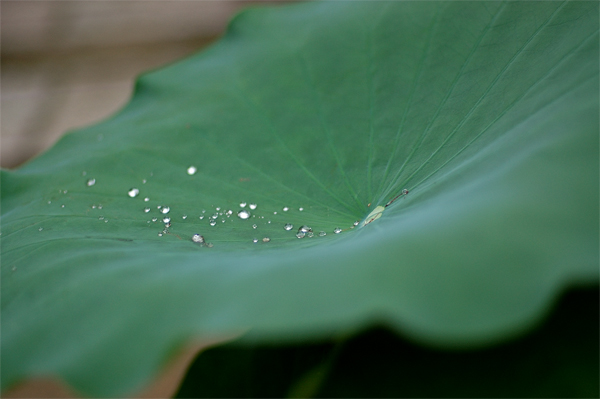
(558, 360)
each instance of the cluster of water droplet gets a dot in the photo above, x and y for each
(245, 212)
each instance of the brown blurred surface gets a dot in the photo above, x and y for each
(68, 64)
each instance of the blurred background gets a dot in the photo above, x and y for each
(69, 64)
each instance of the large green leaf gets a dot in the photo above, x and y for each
(486, 112)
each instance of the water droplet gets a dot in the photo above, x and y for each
(275, 213)
(300, 234)
(105, 220)
(300, 209)
(243, 214)
(255, 240)
(146, 210)
(14, 269)
(198, 238)
(310, 234)
(337, 230)
(192, 170)
(166, 219)
(62, 206)
(242, 204)
(356, 223)
(90, 182)
(160, 234)
(285, 209)
(154, 219)
(288, 226)
(214, 216)
(305, 229)
(404, 191)
(252, 206)
(146, 199)
(165, 209)
(93, 206)
(213, 222)
(159, 206)
(83, 173)
(66, 191)
(201, 217)
(268, 221)
(40, 229)
(99, 206)
(254, 226)
(133, 192)
(266, 239)
(49, 202)
(322, 234)
(229, 213)
(144, 181)
(218, 208)
(184, 217)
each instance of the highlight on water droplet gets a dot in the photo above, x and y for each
(133, 192)
(62, 206)
(252, 206)
(304, 229)
(242, 204)
(218, 208)
(288, 226)
(90, 182)
(356, 223)
(243, 214)
(146, 210)
(266, 239)
(255, 240)
(154, 219)
(184, 217)
(192, 170)
(198, 238)
(146, 199)
(285, 209)
(300, 209)
(165, 209)
(337, 230)
(40, 229)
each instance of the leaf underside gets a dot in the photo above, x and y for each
(486, 112)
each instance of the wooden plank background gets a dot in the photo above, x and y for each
(68, 64)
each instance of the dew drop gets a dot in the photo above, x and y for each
(198, 238)
(285, 209)
(184, 217)
(192, 170)
(14, 269)
(229, 213)
(146, 210)
(83, 173)
(242, 204)
(105, 220)
(218, 208)
(244, 214)
(160, 234)
(213, 222)
(337, 230)
(268, 221)
(266, 239)
(62, 206)
(305, 229)
(254, 226)
(322, 234)
(146, 199)
(144, 181)
(154, 219)
(49, 202)
(99, 206)
(66, 191)
(201, 217)
(356, 223)
(166, 220)
(40, 229)
(300, 209)
(165, 209)
(93, 206)
(255, 240)
(90, 182)
(300, 234)
(275, 213)
(252, 206)
(133, 192)
(288, 226)
(214, 216)
(310, 234)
